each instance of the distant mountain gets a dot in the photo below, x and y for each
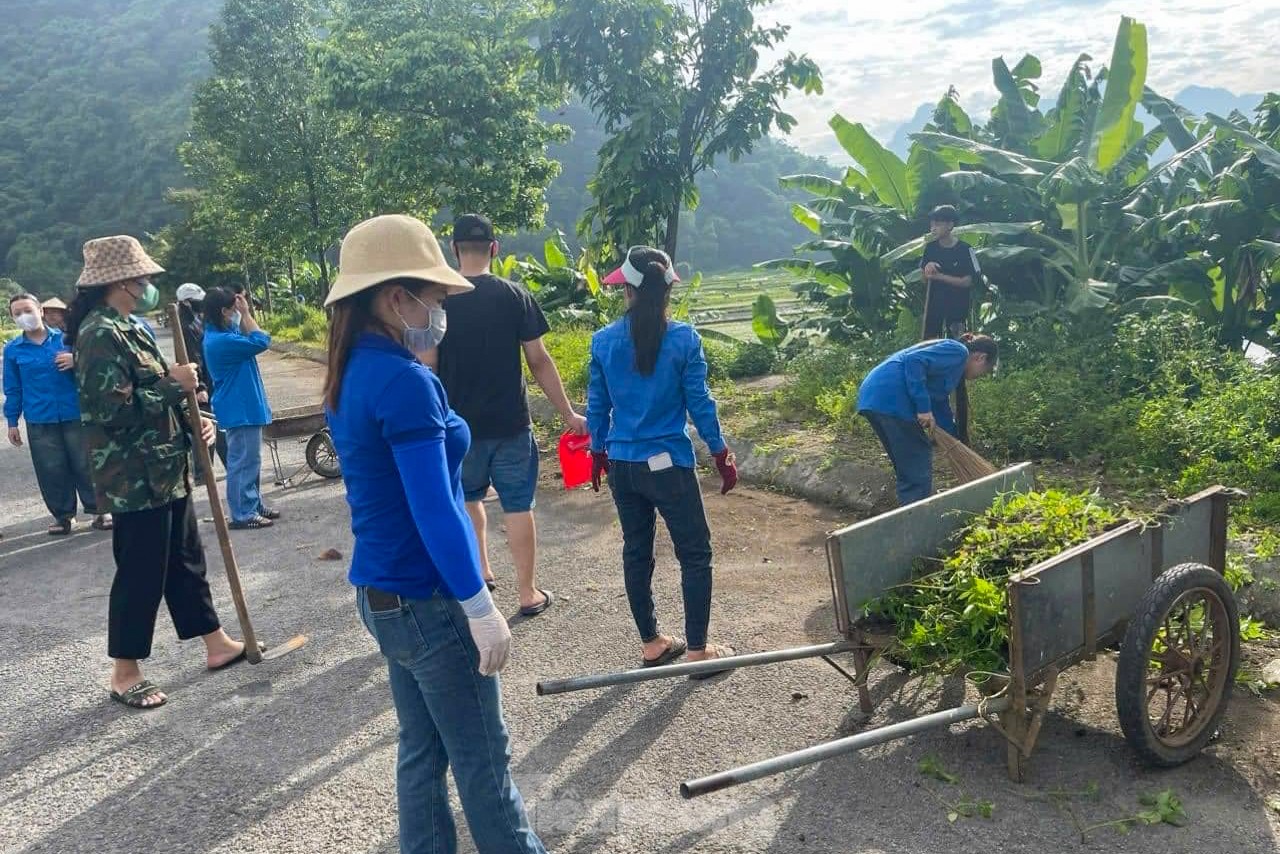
(900, 142)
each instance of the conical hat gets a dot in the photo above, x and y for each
(54, 303)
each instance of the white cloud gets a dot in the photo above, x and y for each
(882, 60)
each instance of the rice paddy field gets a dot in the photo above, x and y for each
(724, 300)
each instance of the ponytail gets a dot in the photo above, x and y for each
(86, 300)
(981, 344)
(648, 311)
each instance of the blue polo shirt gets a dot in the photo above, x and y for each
(34, 388)
(231, 357)
(918, 379)
(401, 449)
(635, 417)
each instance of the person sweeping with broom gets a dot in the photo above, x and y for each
(908, 394)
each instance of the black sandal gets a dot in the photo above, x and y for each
(253, 524)
(670, 654)
(271, 513)
(136, 696)
(535, 610)
(60, 529)
(102, 522)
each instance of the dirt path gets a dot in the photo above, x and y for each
(298, 755)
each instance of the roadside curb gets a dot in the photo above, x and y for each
(839, 483)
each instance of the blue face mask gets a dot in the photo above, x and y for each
(419, 340)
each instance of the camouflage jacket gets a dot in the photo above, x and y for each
(132, 415)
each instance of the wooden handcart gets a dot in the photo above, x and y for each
(1156, 589)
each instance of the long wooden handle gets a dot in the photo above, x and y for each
(253, 653)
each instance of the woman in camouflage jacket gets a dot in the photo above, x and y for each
(131, 406)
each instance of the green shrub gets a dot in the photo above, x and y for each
(571, 350)
(297, 323)
(752, 360)
(721, 356)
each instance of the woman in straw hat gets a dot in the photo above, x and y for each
(55, 313)
(130, 401)
(908, 394)
(416, 565)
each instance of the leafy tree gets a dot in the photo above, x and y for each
(446, 96)
(272, 157)
(676, 85)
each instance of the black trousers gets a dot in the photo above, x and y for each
(158, 556)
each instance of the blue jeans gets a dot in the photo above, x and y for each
(449, 715)
(61, 460)
(640, 495)
(910, 452)
(510, 465)
(244, 471)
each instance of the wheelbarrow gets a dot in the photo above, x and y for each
(1156, 589)
(306, 424)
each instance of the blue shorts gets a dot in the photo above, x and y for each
(510, 465)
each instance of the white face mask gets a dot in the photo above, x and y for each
(234, 320)
(419, 340)
(28, 321)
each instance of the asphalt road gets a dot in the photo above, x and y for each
(297, 754)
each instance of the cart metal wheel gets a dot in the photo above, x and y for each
(1178, 664)
(322, 457)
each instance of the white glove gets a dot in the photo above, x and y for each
(493, 639)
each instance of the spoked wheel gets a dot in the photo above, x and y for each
(1178, 664)
(322, 457)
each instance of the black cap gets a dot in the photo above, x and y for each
(472, 227)
(944, 213)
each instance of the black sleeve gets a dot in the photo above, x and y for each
(968, 261)
(533, 323)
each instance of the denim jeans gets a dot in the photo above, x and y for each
(640, 495)
(244, 470)
(510, 465)
(449, 715)
(61, 460)
(910, 452)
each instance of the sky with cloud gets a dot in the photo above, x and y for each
(882, 59)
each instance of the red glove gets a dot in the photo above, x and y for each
(599, 467)
(727, 465)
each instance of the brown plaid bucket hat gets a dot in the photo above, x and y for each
(115, 259)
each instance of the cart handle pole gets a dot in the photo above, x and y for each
(715, 665)
(252, 652)
(849, 744)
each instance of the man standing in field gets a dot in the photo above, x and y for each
(950, 267)
(479, 364)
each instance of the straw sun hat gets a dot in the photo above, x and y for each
(391, 247)
(115, 259)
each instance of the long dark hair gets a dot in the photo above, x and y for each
(86, 300)
(215, 300)
(347, 319)
(648, 311)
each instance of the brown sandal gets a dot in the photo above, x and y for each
(60, 529)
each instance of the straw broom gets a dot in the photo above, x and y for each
(965, 463)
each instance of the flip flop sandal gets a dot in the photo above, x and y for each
(224, 665)
(136, 696)
(535, 610)
(670, 654)
(492, 585)
(101, 523)
(59, 529)
(271, 514)
(721, 652)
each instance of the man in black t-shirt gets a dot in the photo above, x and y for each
(479, 364)
(950, 267)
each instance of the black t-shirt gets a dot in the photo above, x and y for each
(950, 301)
(480, 360)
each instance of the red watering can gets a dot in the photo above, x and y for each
(575, 460)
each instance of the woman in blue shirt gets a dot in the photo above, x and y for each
(232, 342)
(647, 376)
(40, 385)
(416, 564)
(909, 393)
